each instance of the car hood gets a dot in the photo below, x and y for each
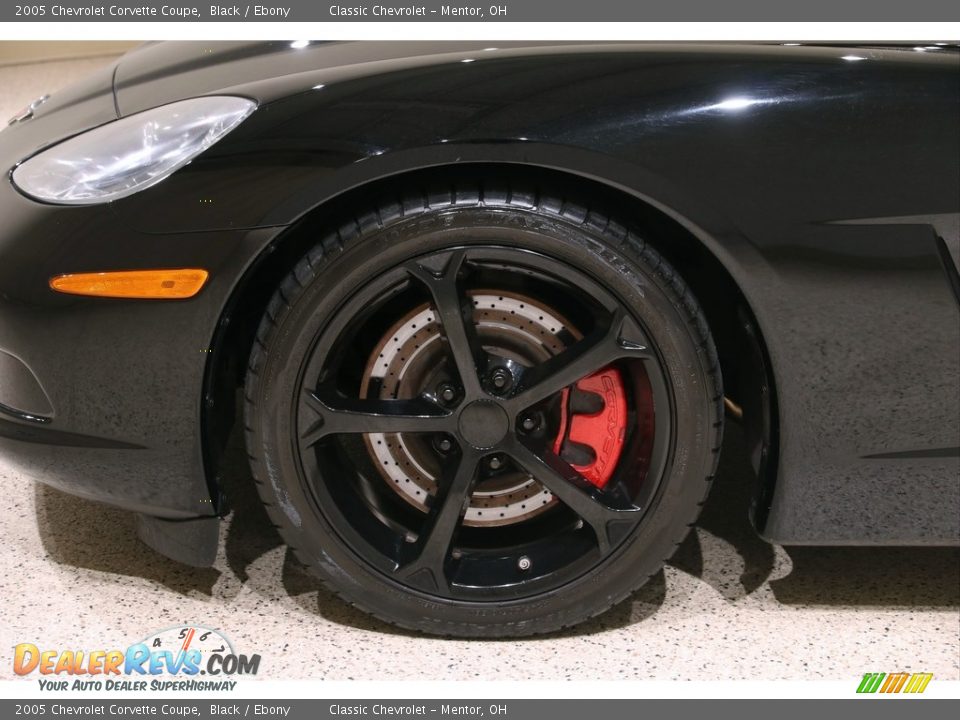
(158, 73)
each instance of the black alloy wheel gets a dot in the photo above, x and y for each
(484, 412)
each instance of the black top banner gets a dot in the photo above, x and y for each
(537, 11)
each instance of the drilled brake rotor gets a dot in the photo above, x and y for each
(410, 359)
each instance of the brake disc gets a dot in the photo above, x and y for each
(410, 359)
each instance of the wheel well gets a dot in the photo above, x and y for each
(748, 380)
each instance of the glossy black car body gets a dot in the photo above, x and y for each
(813, 201)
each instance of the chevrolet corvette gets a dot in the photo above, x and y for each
(481, 313)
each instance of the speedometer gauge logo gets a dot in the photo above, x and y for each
(190, 637)
(197, 649)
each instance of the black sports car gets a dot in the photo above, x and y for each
(490, 306)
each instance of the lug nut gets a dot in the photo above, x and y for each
(495, 463)
(500, 378)
(524, 563)
(447, 392)
(444, 444)
(529, 423)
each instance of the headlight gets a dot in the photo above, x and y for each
(131, 154)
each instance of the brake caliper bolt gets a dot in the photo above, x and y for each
(524, 563)
(495, 463)
(529, 423)
(444, 445)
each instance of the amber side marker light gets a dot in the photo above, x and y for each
(140, 284)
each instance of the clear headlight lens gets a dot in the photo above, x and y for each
(131, 154)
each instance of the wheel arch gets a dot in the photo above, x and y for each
(701, 260)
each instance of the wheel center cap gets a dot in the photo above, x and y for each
(483, 423)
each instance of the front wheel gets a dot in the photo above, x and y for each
(483, 413)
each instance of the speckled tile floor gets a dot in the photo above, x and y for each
(728, 606)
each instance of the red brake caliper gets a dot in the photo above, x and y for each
(593, 421)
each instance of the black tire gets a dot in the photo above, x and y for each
(315, 489)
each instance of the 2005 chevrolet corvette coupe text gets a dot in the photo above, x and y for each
(489, 307)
